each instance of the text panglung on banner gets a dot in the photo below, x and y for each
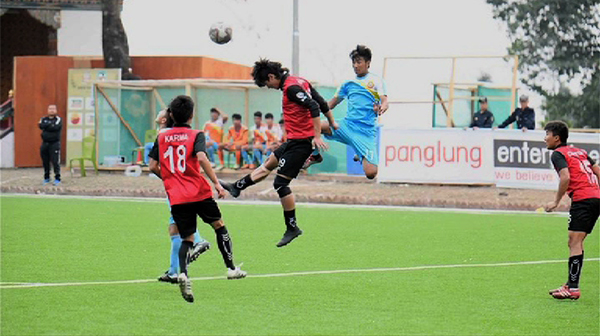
(439, 153)
(435, 156)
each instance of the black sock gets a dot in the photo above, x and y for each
(243, 183)
(575, 265)
(183, 255)
(224, 242)
(290, 219)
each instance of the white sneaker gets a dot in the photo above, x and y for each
(236, 273)
(185, 286)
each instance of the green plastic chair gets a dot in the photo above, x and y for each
(149, 136)
(89, 154)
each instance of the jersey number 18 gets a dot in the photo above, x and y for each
(181, 152)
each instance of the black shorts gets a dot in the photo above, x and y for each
(185, 214)
(291, 155)
(584, 214)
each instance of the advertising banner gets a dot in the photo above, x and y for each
(435, 156)
(521, 159)
(507, 158)
(81, 117)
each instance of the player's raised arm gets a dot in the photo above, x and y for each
(200, 150)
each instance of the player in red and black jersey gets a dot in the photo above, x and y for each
(302, 106)
(579, 176)
(178, 157)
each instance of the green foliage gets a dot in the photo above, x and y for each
(557, 42)
(83, 240)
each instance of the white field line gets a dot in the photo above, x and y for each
(308, 205)
(293, 274)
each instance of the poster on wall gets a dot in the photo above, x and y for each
(81, 117)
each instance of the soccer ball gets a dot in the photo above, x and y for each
(220, 33)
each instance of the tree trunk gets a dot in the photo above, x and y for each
(114, 39)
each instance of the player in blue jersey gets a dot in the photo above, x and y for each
(200, 245)
(367, 100)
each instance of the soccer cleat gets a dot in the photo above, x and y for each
(56, 182)
(564, 292)
(288, 236)
(185, 286)
(236, 273)
(557, 289)
(233, 191)
(219, 167)
(168, 278)
(246, 166)
(198, 249)
(313, 159)
(46, 181)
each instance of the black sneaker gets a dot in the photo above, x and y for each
(198, 249)
(168, 278)
(288, 236)
(185, 286)
(233, 191)
(313, 159)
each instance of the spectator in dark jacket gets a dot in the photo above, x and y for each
(524, 116)
(483, 118)
(51, 125)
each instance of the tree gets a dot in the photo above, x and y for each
(114, 39)
(558, 44)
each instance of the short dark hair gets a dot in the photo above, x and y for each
(361, 51)
(269, 116)
(264, 67)
(214, 109)
(281, 122)
(558, 127)
(258, 114)
(236, 116)
(181, 109)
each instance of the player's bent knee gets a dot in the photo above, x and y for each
(371, 172)
(217, 224)
(281, 186)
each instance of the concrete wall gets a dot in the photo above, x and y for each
(80, 33)
(7, 151)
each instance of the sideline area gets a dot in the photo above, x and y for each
(308, 189)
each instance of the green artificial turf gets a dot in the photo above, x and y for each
(53, 240)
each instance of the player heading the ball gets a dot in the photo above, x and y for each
(302, 106)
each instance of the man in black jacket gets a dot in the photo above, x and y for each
(524, 115)
(484, 118)
(51, 125)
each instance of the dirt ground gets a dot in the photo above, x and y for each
(307, 188)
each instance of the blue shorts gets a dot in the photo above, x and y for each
(362, 138)
(171, 220)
